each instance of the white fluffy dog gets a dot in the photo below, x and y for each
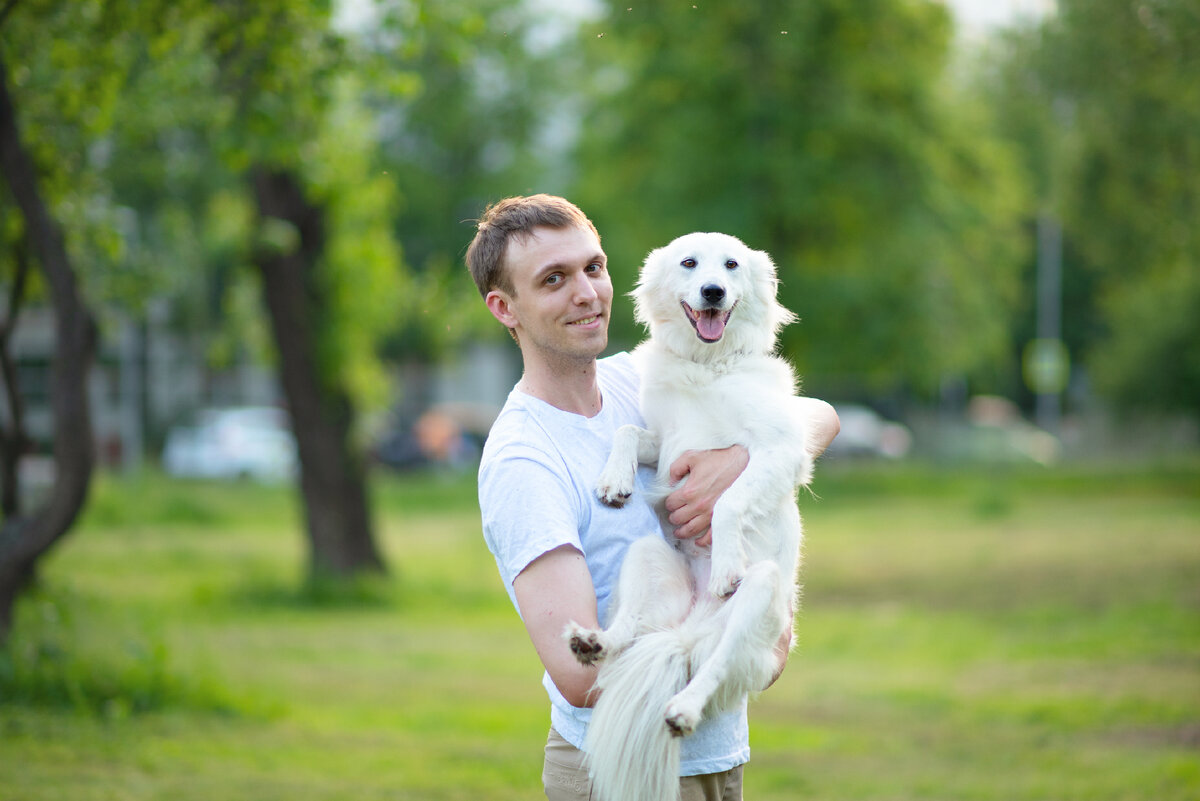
(695, 631)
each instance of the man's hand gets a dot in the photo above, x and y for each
(708, 474)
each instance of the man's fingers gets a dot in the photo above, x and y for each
(681, 467)
(695, 528)
(683, 514)
(701, 536)
(687, 529)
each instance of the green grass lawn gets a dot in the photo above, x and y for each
(1020, 635)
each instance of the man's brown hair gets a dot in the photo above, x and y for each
(515, 216)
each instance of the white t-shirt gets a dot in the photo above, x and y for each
(536, 493)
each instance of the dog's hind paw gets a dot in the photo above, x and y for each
(584, 643)
(724, 585)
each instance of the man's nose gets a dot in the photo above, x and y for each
(585, 289)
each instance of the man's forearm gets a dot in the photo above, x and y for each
(783, 648)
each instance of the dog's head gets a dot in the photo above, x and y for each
(708, 293)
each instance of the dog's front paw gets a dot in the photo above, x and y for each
(614, 491)
(681, 718)
(586, 644)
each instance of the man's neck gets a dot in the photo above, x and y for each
(571, 387)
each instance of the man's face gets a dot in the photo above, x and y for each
(562, 294)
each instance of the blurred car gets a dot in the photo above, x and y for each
(243, 442)
(445, 435)
(997, 432)
(866, 433)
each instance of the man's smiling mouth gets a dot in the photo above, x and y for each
(585, 320)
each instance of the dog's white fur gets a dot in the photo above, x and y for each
(692, 633)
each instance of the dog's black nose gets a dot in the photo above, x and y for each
(713, 293)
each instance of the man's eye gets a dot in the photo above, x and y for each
(553, 279)
(595, 267)
(689, 263)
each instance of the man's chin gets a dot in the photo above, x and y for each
(598, 346)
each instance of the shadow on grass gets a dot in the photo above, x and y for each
(363, 591)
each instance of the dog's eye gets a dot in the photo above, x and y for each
(731, 265)
(689, 263)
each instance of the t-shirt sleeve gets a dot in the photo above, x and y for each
(527, 509)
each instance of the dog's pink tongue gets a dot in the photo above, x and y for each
(711, 324)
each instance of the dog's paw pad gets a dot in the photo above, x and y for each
(585, 644)
(613, 497)
(681, 722)
(615, 485)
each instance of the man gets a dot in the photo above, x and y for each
(539, 266)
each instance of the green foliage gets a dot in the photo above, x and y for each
(1103, 99)
(146, 117)
(363, 282)
(67, 65)
(1152, 358)
(827, 134)
(67, 654)
(276, 63)
(838, 135)
(468, 134)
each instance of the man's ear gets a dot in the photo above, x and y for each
(500, 305)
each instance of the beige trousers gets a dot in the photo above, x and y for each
(565, 777)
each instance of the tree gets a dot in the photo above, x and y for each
(280, 63)
(44, 139)
(831, 135)
(213, 145)
(401, 106)
(1103, 101)
(276, 65)
(24, 538)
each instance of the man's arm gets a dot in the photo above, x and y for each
(708, 474)
(553, 590)
(823, 424)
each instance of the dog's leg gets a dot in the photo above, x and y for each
(728, 552)
(768, 479)
(741, 661)
(631, 446)
(654, 591)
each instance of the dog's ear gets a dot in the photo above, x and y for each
(776, 313)
(642, 292)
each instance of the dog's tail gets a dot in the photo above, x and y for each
(631, 753)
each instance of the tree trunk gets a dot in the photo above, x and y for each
(12, 437)
(332, 473)
(25, 538)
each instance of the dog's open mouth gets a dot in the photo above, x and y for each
(709, 323)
